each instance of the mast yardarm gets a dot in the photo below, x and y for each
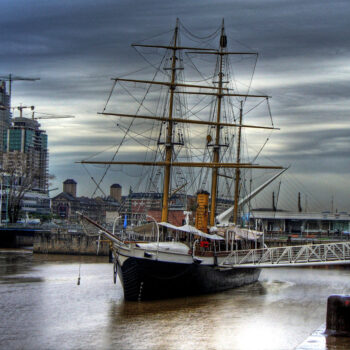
(185, 164)
(187, 121)
(220, 92)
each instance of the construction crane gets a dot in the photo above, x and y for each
(20, 108)
(52, 189)
(10, 78)
(34, 117)
(51, 116)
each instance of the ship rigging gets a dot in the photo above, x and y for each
(171, 144)
(173, 260)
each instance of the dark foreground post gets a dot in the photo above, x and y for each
(338, 315)
(337, 333)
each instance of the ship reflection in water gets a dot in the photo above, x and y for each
(43, 308)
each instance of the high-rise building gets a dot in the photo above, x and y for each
(23, 164)
(5, 113)
(25, 151)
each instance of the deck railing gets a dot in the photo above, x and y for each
(316, 254)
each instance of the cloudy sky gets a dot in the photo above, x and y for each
(76, 46)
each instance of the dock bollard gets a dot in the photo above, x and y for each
(338, 315)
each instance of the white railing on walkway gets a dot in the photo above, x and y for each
(316, 254)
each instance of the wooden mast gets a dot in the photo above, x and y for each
(238, 170)
(219, 92)
(216, 149)
(169, 137)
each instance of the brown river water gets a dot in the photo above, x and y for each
(42, 307)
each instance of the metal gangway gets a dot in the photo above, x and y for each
(292, 256)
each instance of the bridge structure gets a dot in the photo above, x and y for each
(291, 256)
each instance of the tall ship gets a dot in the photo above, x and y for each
(188, 147)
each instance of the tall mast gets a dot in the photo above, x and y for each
(169, 137)
(216, 149)
(238, 170)
(219, 91)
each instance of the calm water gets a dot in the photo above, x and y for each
(42, 307)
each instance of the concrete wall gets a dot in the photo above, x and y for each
(68, 243)
(24, 241)
(15, 238)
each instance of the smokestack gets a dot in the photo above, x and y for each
(70, 186)
(116, 192)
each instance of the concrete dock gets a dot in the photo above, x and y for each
(56, 242)
(319, 340)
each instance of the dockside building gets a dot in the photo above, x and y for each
(288, 222)
(66, 204)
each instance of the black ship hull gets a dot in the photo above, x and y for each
(144, 279)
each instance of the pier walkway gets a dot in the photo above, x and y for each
(303, 255)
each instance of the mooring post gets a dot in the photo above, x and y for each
(338, 315)
(337, 333)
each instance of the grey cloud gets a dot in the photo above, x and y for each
(75, 47)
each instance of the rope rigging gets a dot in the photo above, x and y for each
(188, 141)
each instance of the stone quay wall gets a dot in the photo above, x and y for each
(58, 242)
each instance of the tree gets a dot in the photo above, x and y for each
(18, 177)
(16, 181)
